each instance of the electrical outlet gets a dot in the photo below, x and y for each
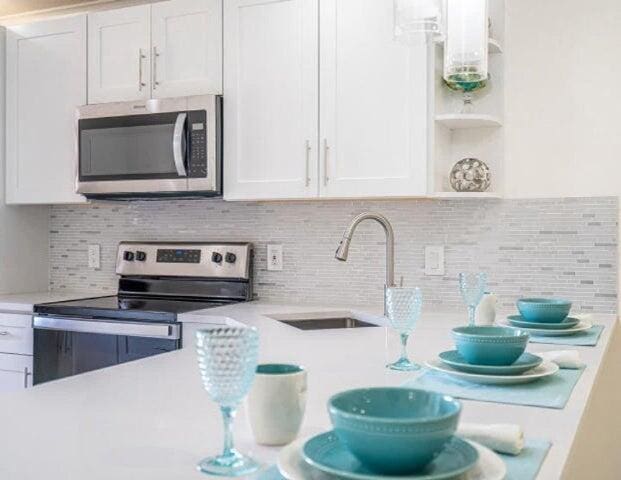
(274, 257)
(434, 260)
(94, 256)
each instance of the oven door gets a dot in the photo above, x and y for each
(69, 346)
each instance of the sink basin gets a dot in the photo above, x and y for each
(322, 321)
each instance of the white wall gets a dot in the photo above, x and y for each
(563, 97)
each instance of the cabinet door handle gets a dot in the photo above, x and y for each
(26, 375)
(141, 57)
(307, 171)
(156, 54)
(4, 333)
(326, 152)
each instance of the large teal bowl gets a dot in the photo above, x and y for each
(490, 345)
(394, 431)
(544, 310)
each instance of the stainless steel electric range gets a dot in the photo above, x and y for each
(158, 281)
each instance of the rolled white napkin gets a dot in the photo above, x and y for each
(500, 437)
(564, 358)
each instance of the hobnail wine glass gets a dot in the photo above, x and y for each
(472, 287)
(403, 306)
(227, 359)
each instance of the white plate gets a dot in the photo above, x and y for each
(292, 465)
(541, 332)
(544, 370)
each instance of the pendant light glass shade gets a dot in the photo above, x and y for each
(418, 20)
(465, 48)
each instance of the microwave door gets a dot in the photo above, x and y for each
(133, 154)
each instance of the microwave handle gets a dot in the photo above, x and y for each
(178, 154)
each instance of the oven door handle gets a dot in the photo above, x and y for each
(178, 136)
(130, 329)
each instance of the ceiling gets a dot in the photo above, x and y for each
(17, 7)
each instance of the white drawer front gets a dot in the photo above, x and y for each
(16, 334)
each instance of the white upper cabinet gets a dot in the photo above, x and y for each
(119, 59)
(320, 101)
(373, 110)
(46, 81)
(270, 99)
(186, 47)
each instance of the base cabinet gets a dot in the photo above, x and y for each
(16, 349)
(15, 372)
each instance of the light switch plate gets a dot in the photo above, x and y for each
(434, 260)
(94, 256)
(274, 257)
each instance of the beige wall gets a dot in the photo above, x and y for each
(563, 97)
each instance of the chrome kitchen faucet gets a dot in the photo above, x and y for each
(343, 249)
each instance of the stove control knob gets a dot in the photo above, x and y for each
(141, 256)
(230, 257)
(128, 256)
(216, 257)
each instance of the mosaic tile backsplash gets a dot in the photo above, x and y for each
(543, 247)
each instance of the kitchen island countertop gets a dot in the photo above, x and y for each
(151, 419)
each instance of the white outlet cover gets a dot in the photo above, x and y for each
(434, 260)
(274, 257)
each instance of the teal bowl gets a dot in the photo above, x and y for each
(544, 310)
(394, 431)
(490, 345)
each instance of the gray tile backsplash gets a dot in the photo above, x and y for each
(562, 247)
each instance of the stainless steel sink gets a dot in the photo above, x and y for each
(322, 321)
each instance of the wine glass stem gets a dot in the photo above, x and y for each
(471, 311)
(404, 343)
(228, 414)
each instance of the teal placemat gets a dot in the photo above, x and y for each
(524, 466)
(588, 338)
(527, 464)
(550, 392)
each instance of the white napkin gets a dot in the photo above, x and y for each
(500, 437)
(564, 358)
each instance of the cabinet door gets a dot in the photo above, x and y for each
(373, 107)
(15, 372)
(46, 81)
(119, 57)
(270, 99)
(186, 47)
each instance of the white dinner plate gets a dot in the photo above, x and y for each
(540, 332)
(292, 465)
(544, 370)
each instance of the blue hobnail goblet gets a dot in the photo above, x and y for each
(227, 359)
(403, 307)
(472, 287)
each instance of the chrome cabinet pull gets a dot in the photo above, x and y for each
(156, 54)
(326, 151)
(141, 57)
(307, 171)
(26, 374)
(4, 333)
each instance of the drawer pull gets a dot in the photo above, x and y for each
(4, 333)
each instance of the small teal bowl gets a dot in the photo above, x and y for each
(544, 310)
(394, 431)
(490, 345)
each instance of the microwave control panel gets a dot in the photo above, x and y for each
(197, 127)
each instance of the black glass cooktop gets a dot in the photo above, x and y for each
(127, 308)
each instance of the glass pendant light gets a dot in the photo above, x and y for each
(416, 21)
(465, 49)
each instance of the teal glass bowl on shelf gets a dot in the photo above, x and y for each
(544, 310)
(394, 431)
(483, 345)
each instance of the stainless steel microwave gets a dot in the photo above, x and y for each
(166, 147)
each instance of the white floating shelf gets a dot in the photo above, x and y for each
(493, 45)
(456, 121)
(466, 195)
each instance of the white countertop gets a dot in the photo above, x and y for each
(23, 302)
(151, 419)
